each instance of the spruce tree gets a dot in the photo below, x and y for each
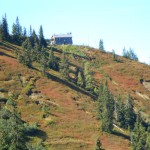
(24, 32)
(0, 30)
(27, 56)
(133, 56)
(18, 27)
(43, 61)
(130, 116)
(88, 77)
(120, 110)
(64, 66)
(34, 40)
(139, 135)
(11, 128)
(4, 32)
(4, 129)
(52, 60)
(114, 55)
(107, 114)
(42, 41)
(100, 102)
(106, 108)
(126, 53)
(101, 45)
(30, 32)
(17, 32)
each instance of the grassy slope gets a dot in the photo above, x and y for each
(67, 117)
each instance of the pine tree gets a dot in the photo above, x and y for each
(11, 128)
(4, 129)
(101, 45)
(120, 110)
(88, 77)
(43, 61)
(126, 53)
(18, 27)
(133, 56)
(4, 33)
(17, 32)
(106, 108)
(100, 102)
(130, 54)
(1, 31)
(52, 60)
(24, 32)
(139, 135)
(42, 41)
(30, 32)
(114, 55)
(27, 56)
(34, 40)
(64, 66)
(130, 116)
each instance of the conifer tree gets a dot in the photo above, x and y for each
(18, 27)
(4, 32)
(42, 41)
(24, 32)
(1, 31)
(114, 55)
(106, 108)
(100, 102)
(88, 77)
(64, 66)
(139, 135)
(130, 54)
(52, 60)
(34, 40)
(133, 56)
(130, 116)
(126, 53)
(17, 32)
(43, 61)
(101, 45)
(120, 110)
(27, 56)
(11, 128)
(30, 32)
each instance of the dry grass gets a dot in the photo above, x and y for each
(66, 116)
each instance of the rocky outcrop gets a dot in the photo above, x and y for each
(146, 84)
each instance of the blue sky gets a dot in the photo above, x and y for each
(120, 23)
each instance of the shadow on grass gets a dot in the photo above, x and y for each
(121, 134)
(67, 83)
(8, 46)
(4, 54)
(36, 133)
(71, 85)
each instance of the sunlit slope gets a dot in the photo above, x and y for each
(66, 114)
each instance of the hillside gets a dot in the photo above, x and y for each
(66, 114)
